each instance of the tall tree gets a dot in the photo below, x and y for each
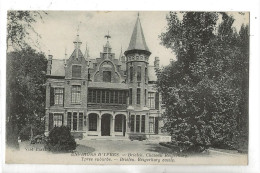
(20, 37)
(20, 30)
(25, 96)
(200, 89)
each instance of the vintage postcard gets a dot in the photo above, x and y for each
(127, 87)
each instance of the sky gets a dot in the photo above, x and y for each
(58, 30)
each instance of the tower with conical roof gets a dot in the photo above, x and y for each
(137, 60)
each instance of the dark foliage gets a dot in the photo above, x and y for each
(206, 90)
(60, 139)
(27, 132)
(25, 90)
(20, 30)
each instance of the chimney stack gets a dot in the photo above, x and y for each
(49, 65)
(156, 62)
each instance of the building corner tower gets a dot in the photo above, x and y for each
(137, 61)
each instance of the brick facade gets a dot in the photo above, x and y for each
(95, 93)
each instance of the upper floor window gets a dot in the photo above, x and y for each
(106, 96)
(76, 71)
(76, 94)
(106, 76)
(138, 96)
(139, 78)
(146, 76)
(151, 100)
(130, 96)
(58, 96)
(145, 97)
(131, 72)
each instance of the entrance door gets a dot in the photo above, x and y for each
(105, 125)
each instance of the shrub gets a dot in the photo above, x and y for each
(25, 133)
(60, 139)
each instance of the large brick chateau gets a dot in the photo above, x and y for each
(105, 96)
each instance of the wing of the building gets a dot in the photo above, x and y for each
(105, 96)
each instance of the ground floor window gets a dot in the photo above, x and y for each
(80, 121)
(118, 123)
(50, 121)
(57, 120)
(143, 124)
(137, 129)
(132, 123)
(75, 119)
(151, 124)
(69, 120)
(93, 122)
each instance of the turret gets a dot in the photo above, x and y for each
(137, 59)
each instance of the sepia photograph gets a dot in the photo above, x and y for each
(127, 87)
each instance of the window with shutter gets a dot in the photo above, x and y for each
(75, 119)
(69, 120)
(50, 121)
(132, 123)
(156, 126)
(137, 129)
(157, 101)
(51, 96)
(80, 121)
(143, 124)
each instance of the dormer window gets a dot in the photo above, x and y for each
(76, 71)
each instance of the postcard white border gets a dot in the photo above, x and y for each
(253, 6)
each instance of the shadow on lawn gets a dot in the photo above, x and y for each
(79, 149)
(157, 148)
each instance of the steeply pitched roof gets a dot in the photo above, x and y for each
(74, 54)
(137, 41)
